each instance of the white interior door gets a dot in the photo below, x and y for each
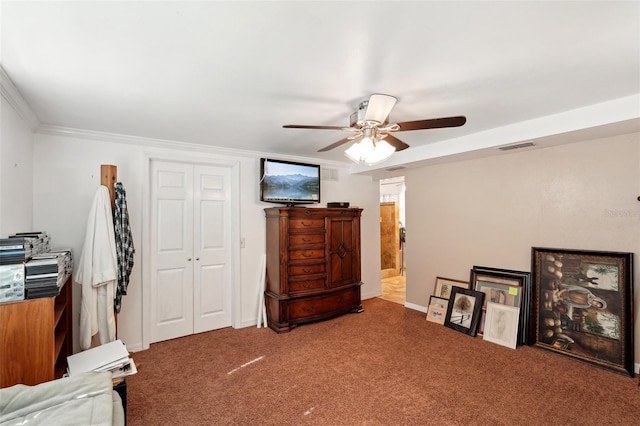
(212, 277)
(172, 250)
(191, 235)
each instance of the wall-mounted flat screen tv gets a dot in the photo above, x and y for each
(288, 182)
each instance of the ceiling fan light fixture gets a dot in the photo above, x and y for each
(369, 152)
(378, 108)
(371, 121)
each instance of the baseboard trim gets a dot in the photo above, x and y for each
(415, 307)
(637, 368)
(370, 295)
(135, 348)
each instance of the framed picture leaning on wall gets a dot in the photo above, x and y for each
(506, 287)
(582, 306)
(444, 286)
(437, 309)
(464, 310)
(501, 325)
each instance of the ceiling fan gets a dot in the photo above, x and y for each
(370, 129)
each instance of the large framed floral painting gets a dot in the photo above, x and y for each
(582, 306)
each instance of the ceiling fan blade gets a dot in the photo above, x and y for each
(432, 123)
(337, 144)
(379, 108)
(301, 126)
(395, 142)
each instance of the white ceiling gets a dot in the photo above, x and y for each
(230, 74)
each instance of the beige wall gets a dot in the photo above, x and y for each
(491, 211)
(16, 171)
(66, 175)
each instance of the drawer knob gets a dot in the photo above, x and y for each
(341, 300)
(306, 224)
(306, 285)
(306, 240)
(305, 254)
(306, 271)
(307, 308)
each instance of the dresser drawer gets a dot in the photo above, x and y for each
(306, 285)
(318, 306)
(306, 254)
(303, 239)
(306, 223)
(314, 268)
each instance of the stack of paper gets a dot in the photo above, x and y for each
(112, 356)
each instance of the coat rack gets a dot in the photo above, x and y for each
(109, 176)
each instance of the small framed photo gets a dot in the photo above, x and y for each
(501, 324)
(464, 310)
(445, 285)
(436, 314)
(437, 309)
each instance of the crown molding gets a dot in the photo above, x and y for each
(11, 93)
(99, 136)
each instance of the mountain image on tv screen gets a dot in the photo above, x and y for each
(290, 183)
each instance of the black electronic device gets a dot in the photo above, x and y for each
(338, 204)
(289, 182)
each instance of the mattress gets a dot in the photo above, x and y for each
(83, 399)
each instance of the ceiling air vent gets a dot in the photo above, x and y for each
(392, 169)
(329, 174)
(516, 146)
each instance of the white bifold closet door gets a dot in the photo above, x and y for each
(190, 249)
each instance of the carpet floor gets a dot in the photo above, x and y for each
(385, 366)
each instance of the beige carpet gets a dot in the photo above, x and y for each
(385, 366)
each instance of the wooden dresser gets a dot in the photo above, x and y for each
(313, 264)
(35, 338)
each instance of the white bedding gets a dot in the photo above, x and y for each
(83, 399)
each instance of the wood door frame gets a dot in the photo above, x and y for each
(147, 273)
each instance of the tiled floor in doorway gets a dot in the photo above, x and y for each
(393, 289)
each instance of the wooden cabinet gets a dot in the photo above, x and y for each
(313, 264)
(35, 338)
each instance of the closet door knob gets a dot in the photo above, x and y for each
(189, 259)
(197, 258)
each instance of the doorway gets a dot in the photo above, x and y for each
(392, 239)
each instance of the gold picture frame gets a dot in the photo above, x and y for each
(445, 285)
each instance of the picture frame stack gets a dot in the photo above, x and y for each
(577, 303)
(508, 288)
(438, 303)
